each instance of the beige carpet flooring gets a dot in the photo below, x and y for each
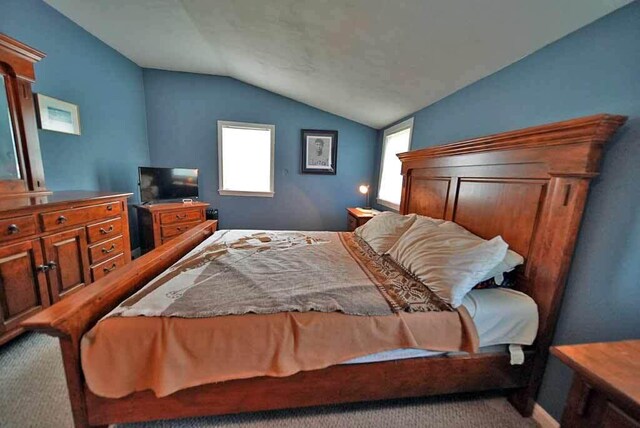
(33, 394)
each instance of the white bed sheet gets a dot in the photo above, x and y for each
(502, 317)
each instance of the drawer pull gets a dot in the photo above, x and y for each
(109, 208)
(106, 231)
(107, 251)
(62, 219)
(42, 268)
(13, 229)
(52, 265)
(107, 270)
(181, 216)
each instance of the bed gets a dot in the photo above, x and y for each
(528, 186)
(225, 319)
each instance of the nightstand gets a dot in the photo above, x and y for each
(357, 217)
(606, 384)
(160, 223)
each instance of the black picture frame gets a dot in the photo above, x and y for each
(320, 160)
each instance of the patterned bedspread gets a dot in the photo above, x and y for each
(265, 272)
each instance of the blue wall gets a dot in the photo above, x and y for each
(106, 86)
(594, 70)
(182, 113)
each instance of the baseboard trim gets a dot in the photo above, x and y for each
(544, 419)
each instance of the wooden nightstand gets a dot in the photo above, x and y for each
(160, 223)
(606, 384)
(356, 218)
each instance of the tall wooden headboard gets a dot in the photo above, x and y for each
(529, 186)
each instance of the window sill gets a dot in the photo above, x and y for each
(243, 193)
(390, 205)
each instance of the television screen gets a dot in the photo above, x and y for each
(158, 184)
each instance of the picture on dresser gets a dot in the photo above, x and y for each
(57, 115)
(319, 152)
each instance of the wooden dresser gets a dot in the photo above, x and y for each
(160, 223)
(53, 245)
(606, 384)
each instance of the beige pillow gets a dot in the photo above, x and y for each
(384, 229)
(446, 260)
(434, 220)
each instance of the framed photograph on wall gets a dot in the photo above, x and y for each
(319, 152)
(57, 115)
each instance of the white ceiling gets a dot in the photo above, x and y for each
(373, 61)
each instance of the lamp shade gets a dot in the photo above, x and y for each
(364, 189)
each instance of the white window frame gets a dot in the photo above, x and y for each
(245, 125)
(406, 124)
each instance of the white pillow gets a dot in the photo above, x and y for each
(510, 262)
(384, 229)
(449, 262)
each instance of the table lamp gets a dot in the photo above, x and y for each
(364, 189)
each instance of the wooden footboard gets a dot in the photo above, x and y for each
(346, 383)
(71, 318)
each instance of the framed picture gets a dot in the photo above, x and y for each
(319, 152)
(57, 115)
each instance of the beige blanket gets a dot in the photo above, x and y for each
(270, 272)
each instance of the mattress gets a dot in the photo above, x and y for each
(502, 317)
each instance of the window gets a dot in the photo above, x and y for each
(396, 139)
(245, 158)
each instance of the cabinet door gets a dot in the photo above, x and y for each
(66, 254)
(23, 287)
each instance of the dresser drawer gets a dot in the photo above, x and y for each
(106, 249)
(107, 266)
(56, 220)
(17, 227)
(104, 230)
(177, 229)
(181, 216)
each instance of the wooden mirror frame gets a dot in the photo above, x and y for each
(17, 66)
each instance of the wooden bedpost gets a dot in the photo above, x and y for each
(70, 347)
(560, 224)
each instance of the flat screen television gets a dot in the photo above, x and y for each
(161, 184)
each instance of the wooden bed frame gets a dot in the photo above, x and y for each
(530, 186)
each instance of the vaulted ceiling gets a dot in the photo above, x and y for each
(373, 61)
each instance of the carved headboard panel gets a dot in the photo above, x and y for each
(488, 203)
(529, 186)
